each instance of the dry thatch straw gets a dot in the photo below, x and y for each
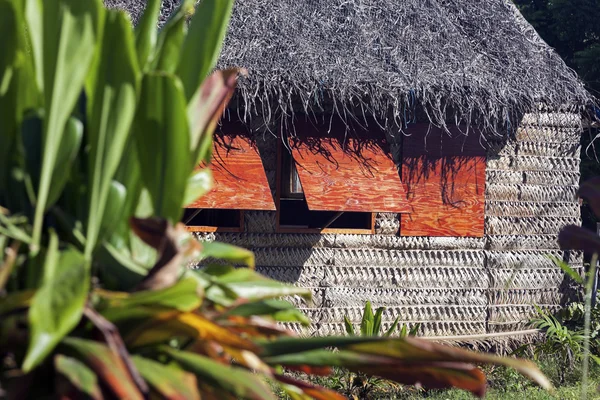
(464, 61)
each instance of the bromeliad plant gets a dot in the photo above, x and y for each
(102, 131)
(370, 324)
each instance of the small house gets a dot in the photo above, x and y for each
(420, 154)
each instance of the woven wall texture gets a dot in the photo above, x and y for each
(451, 286)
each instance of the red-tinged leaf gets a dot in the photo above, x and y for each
(590, 191)
(256, 327)
(168, 382)
(175, 248)
(574, 237)
(82, 381)
(434, 376)
(449, 365)
(227, 379)
(159, 330)
(310, 370)
(113, 339)
(105, 363)
(205, 110)
(313, 391)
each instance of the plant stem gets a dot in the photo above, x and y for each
(586, 327)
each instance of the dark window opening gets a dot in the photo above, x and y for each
(293, 208)
(212, 218)
(294, 213)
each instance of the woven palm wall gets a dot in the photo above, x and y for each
(451, 286)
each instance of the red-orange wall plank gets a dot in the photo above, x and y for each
(240, 182)
(444, 178)
(346, 171)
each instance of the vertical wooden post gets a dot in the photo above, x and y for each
(595, 284)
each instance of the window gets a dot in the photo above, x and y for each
(333, 180)
(294, 214)
(213, 220)
(240, 183)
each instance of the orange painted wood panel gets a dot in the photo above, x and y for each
(346, 170)
(240, 182)
(444, 178)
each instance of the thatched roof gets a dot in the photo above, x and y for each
(478, 58)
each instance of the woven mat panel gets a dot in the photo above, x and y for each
(530, 259)
(260, 221)
(502, 192)
(526, 296)
(513, 317)
(293, 256)
(555, 120)
(568, 178)
(539, 278)
(387, 223)
(527, 225)
(548, 134)
(548, 193)
(524, 242)
(400, 258)
(568, 149)
(407, 242)
(534, 163)
(393, 296)
(414, 314)
(351, 278)
(425, 328)
(531, 209)
(268, 240)
(502, 177)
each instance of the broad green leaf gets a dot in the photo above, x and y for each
(32, 139)
(248, 284)
(115, 207)
(236, 381)
(68, 35)
(203, 43)
(122, 271)
(228, 252)
(169, 44)
(280, 310)
(70, 143)
(106, 365)
(169, 382)
(79, 376)
(366, 324)
(205, 110)
(185, 295)
(348, 325)
(112, 111)
(200, 183)
(9, 31)
(567, 269)
(162, 137)
(52, 258)
(57, 306)
(146, 32)
(377, 321)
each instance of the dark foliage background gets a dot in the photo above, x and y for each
(572, 27)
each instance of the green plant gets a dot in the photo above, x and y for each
(560, 342)
(370, 324)
(360, 385)
(102, 130)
